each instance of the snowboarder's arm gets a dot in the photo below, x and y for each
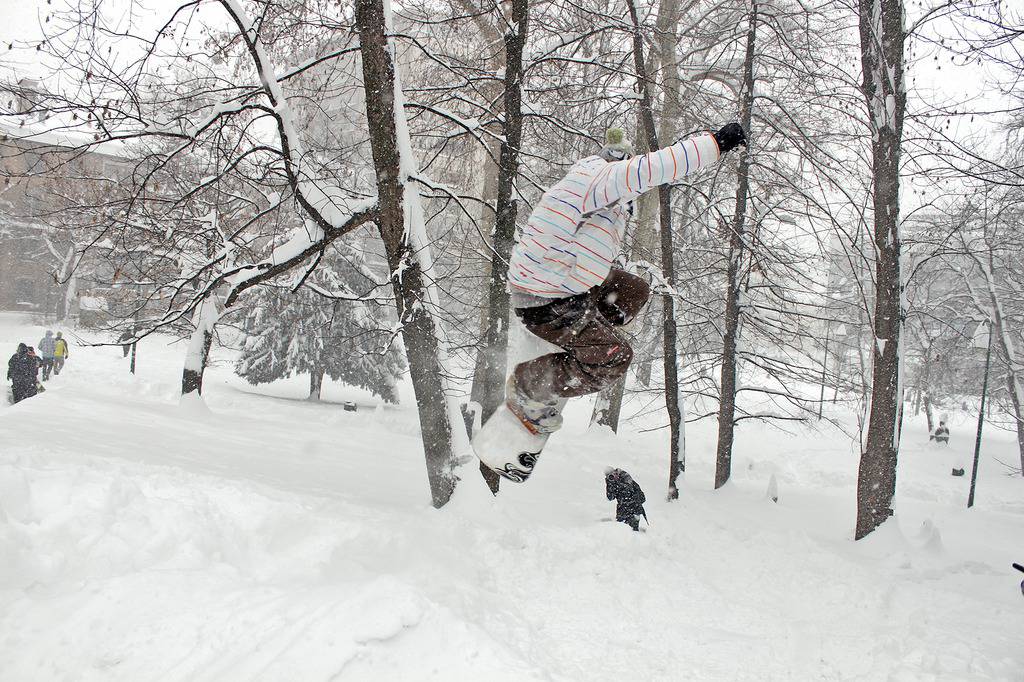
(629, 178)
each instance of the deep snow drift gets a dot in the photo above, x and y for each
(264, 537)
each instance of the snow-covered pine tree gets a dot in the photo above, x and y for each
(308, 332)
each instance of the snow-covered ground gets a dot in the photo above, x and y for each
(267, 538)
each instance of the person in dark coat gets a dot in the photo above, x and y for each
(941, 434)
(629, 498)
(21, 370)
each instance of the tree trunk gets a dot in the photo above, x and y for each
(737, 239)
(412, 296)
(608, 406)
(493, 369)
(650, 343)
(68, 275)
(645, 241)
(316, 382)
(667, 264)
(1018, 413)
(1006, 350)
(198, 353)
(882, 47)
(928, 412)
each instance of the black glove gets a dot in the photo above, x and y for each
(730, 137)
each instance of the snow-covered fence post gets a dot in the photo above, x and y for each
(882, 38)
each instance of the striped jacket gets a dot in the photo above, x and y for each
(575, 232)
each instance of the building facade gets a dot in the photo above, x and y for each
(41, 165)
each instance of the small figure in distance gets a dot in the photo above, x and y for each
(60, 353)
(629, 498)
(47, 345)
(941, 434)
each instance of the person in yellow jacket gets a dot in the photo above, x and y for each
(60, 353)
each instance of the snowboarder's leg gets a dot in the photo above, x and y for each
(596, 353)
(538, 416)
(621, 297)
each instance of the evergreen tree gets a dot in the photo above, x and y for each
(309, 332)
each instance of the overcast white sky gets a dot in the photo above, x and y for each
(935, 81)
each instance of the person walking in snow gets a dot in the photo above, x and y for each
(47, 345)
(563, 282)
(21, 371)
(628, 496)
(60, 353)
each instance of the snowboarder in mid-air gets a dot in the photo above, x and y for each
(629, 498)
(566, 290)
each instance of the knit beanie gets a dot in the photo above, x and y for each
(616, 146)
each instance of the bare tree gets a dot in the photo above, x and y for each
(882, 38)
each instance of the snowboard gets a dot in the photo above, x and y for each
(506, 447)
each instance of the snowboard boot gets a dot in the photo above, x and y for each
(540, 417)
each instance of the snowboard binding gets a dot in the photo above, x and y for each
(511, 441)
(539, 417)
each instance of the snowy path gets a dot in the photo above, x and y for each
(272, 539)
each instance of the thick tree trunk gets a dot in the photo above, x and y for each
(882, 47)
(737, 239)
(652, 339)
(316, 383)
(412, 297)
(608, 406)
(69, 276)
(926, 389)
(198, 353)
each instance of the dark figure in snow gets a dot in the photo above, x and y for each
(21, 370)
(941, 434)
(39, 363)
(563, 284)
(47, 346)
(629, 499)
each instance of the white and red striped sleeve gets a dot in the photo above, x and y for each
(629, 178)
